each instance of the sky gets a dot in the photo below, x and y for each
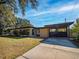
(52, 12)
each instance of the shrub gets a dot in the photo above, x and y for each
(78, 36)
(16, 33)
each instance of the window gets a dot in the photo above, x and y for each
(52, 30)
(62, 30)
(32, 31)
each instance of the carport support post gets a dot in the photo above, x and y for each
(68, 31)
(30, 32)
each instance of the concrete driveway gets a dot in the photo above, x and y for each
(60, 41)
(46, 50)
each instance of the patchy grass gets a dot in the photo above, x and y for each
(10, 48)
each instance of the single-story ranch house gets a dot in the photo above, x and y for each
(53, 30)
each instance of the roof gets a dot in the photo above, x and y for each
(40, 27)
(19, 28)
(60, 25)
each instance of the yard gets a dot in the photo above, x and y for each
(10, 48)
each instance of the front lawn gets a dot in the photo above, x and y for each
(10, 48)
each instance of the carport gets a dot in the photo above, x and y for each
(59, 30)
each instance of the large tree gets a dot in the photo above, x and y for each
(7, 18)
(23, 23)
(8, 8)
(75, 29)
(21, 3)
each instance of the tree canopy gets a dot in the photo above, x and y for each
(8, 8)
(21, 3)
(23, 23)
(75, 28)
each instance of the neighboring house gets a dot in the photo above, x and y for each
(54, 30)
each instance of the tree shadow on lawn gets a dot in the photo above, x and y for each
(13, 37)
(21, 37)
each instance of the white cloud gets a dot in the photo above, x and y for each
(56, 10)
(68, 8)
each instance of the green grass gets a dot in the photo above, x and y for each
(10, 48)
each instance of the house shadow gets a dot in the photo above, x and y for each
(60, 41)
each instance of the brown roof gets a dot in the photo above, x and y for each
(60, 25)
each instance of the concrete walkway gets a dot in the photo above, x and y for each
(47, 51)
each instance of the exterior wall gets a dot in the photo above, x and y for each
(44, 32)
